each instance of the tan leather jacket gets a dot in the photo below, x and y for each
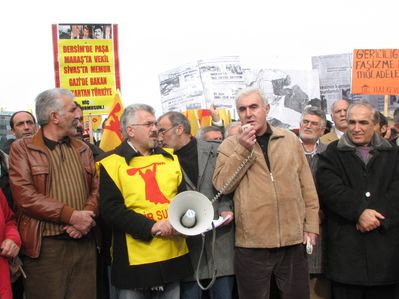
(30, 177)
(273, 208)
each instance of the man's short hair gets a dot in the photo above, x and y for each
(177, 118)
(15, 113)
(374, 114)
(313, 110)
(49, 101)
(204, 130)
(333, 104)
(129, 114)
(247, 91)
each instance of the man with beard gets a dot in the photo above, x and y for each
(55, 187)
(338, 115)
(138, 180)
(312, 125)
(80, 134)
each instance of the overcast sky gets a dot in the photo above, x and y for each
(155, 36)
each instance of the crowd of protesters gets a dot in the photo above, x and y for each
(307, 214)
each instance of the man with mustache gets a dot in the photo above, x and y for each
(338, 115)
(197, 158)
(23, 124)
(312, 125)
(138, 180)
(55, 187)
(358, 185)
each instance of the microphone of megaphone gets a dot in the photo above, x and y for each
(190, 213)
(189, 219)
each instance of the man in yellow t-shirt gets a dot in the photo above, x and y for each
(138, 180)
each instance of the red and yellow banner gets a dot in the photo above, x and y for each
(200, 118)
(112, 131)
(86, 62)
(375, 71)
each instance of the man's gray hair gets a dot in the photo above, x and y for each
(177, 118)
(366, 104)
(247, 91)
(204, 130)
(129, 115)
(313, 110)
(336, 101)
(49, 101)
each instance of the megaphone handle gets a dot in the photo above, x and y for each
(210, 284)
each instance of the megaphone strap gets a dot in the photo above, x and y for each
(210, 284)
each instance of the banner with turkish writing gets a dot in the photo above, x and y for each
(86, 62)
(375, 71)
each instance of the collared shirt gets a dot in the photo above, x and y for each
(51, 144)
(339, 133)
(263, 141)
(314, 151)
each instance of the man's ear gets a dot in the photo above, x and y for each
(54, 117)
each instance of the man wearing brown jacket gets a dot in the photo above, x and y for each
(275, 202)
(55, 188)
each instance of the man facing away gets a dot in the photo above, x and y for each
(275, 202)
(138, 180)
(198, 158)
(358, 184)
(338, 115)
(55, 188)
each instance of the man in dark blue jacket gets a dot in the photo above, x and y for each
(358, 184)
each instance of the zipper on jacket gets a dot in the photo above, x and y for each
(278, 210)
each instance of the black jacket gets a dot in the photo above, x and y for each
(347, 186)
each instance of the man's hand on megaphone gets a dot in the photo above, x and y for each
(229, 215)
(162, 228)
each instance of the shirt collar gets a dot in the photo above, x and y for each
(51, 144)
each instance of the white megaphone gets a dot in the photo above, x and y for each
(191, 213)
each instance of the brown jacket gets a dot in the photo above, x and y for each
(272, 208)
(30, 177)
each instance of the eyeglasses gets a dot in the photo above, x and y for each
(312, 123)
(163, 130)
(147, 124)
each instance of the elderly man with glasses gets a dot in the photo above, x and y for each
(138, 180)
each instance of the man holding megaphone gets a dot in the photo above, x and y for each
(138, 181)
(275, 202)
(198, 159)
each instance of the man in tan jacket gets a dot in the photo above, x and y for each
(338, 115)
(276, 204)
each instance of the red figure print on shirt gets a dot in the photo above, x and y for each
(152, 191)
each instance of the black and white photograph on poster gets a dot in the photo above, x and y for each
(181, 89)
(288, 92)
(335, 73)
(221, 78)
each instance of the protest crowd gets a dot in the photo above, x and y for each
(306, 213)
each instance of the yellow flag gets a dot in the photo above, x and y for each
(112, 132)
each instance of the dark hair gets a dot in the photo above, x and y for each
(15, 113)
(382, 119)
